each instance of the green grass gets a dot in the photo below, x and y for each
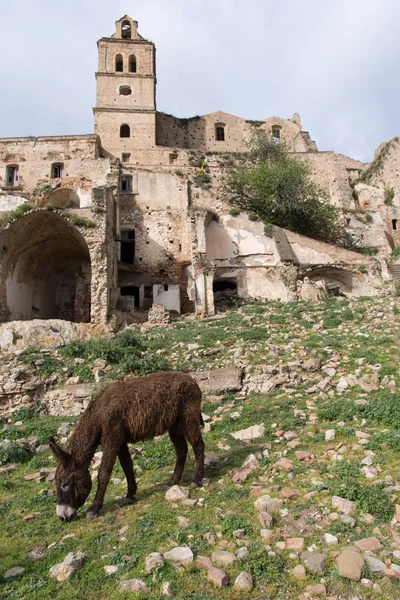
(227, 506)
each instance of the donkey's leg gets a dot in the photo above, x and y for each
(126, 463)
(110, 451)
(178, 439)
(198, 448)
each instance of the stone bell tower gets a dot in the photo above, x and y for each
(125, 112)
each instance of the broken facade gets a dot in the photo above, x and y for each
(133, 214)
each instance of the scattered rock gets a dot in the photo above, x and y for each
(180, 556)
(347, 507)
(71, 563)
(244, 582)
(350, 564)
(152, 561)
(314, 561)
(14, 572)
(251, 433)
(134, 585)
(218, 577)
(177, 493)
(223, 557)
(372, 544)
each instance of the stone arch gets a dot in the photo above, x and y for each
(64, 198)
(45, 270)
(336, 280)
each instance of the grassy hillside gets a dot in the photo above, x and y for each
(352, 389)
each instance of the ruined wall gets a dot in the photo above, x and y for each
(80, 155)
(199, 133)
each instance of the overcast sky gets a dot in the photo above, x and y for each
(336, 62)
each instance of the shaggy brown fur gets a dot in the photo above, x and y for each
(138, 408)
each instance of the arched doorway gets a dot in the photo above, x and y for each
(45, 270)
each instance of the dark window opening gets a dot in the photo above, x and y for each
(223, 286)
(132, 64)
(348, 221)
(126, 183)
(126, 30)
(125, 90)
(276, 134)
(57, 170)
(132, 291)
(128, 247)
(166, 287)
(119, 63)
(220, 133)
(148, 292)
(12, 175)
(126, 157)
(394, 224)
(125, 131)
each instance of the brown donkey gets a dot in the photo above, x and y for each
(138, 408)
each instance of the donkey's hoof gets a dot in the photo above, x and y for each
(128, 500)
(90, 515)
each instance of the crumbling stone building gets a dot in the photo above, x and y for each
(133, 214)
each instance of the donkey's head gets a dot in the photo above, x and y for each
(73, 483)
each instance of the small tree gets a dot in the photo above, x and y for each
(278, 188)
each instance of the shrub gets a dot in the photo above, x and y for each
(389, 196)
(234, 212)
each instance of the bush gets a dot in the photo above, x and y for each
(389, 196)
(234, 212)
(277, 187)
(125, 351)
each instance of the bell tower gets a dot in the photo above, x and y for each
(125, 111)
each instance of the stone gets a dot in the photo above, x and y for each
(222, 557)
(251, 433)
(289, 493)
(346, 520)
(330, 435)
(110, 570)
(14, 572)
(296, 544)
(167, 589)
(218, 577)
(374, 564)
(299, 572)
(71, 563)
(314, 561)
(317, 589)
(134, 585)
(372, 544)
(203, 562)
(330, 539)
(244, 582)
(268, 504)
(227, 379)
(177, 493)
(350, 564)
(180, 556)
(152, 561)
(347, 507)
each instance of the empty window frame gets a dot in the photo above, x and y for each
(12, 175)
(125, 157)
(126, 183)
(119, 63)
(131, 291)
(128, 247)
(276, 134)
(125, 90)
(220, 132)
(57, 170)
(124, 131)
(394, 224)
(132, 64)
(126, 30)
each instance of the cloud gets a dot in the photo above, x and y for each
(333, 62)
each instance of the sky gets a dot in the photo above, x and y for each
(333, 61)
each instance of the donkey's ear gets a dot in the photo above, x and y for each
(58, 452)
